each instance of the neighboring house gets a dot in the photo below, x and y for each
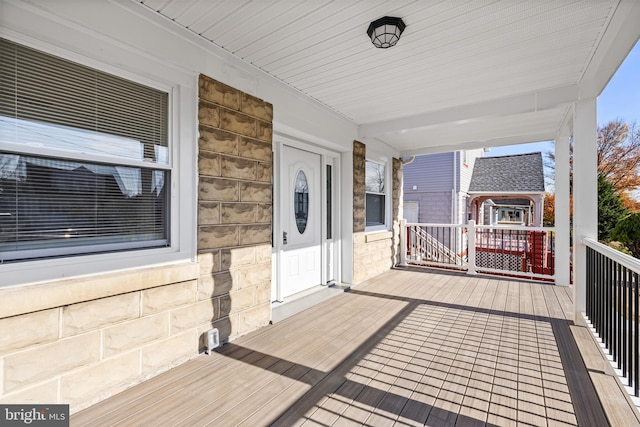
(436, 186)
(507, 190)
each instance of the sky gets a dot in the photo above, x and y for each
(620, 99)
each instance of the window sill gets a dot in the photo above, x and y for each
(378, 235)
(29, 298)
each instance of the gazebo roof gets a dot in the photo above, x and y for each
(522, 173)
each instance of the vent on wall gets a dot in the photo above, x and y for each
(213, 340)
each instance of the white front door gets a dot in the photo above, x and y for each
(301, 220)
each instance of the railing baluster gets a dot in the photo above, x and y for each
(625, 331)
(591, 283)
(630, 328)
(614, 312)
(611, 307)
(618, 318)
(597, 296)
(602, 292)
(607, 295)
(603, 297)
(636, 340)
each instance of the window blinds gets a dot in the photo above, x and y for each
(83, 159)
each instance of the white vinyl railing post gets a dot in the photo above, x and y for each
(471, 247)
(403, 243)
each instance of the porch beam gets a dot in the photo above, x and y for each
(519, 104)
(562, 211)
(585, 197)
(539, 135)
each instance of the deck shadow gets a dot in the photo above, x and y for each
(336, 382)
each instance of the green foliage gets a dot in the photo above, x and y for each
(627, 232)
(610, 208)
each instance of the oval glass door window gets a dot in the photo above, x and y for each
(301, 201)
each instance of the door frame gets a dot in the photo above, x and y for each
(327, 157)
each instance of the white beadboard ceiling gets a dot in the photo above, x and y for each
(464, 73)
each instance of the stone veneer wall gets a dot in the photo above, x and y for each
(78, 341)
(373, 253)
(234, 208)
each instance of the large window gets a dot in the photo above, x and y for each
(375, 180)
(84, 159)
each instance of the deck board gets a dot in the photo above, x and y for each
(409, 347)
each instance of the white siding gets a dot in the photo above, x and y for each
(466, 169)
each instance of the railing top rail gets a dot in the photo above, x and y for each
(617, 256)
(427, 224)
(516, 228)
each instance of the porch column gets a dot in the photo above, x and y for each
(562, 211)
(585, 197)
(538, 210)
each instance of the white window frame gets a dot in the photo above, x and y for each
(182, 112)
(387, 195)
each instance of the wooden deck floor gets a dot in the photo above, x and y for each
(410, 347)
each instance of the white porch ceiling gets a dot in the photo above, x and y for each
(465, 72)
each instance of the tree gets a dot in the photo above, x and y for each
(627, 232)
(610, 208)
(619, 155)
(549, 210)
(618, 159)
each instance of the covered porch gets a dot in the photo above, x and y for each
(251, 92)
(409, 347)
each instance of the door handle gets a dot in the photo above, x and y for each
(284, 237)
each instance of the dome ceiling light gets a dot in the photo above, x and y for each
(385, 32)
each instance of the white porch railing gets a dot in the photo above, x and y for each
(613, 308)
(441, 245)
(527, 252)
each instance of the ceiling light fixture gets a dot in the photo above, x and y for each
(385, 32)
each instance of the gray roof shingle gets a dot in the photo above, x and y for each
(504, 174)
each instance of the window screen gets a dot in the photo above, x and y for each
(84, 159)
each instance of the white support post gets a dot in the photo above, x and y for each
(538, 213)
(471, 248)
(562, 212)
(403, 243)
(585, 194)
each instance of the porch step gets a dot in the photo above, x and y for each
(618, 406)
(304, 300)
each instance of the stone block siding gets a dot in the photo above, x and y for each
(396, 188)
(81, 340)
(359, 167)
(234, 208)
(86, 350)
(373, 253)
